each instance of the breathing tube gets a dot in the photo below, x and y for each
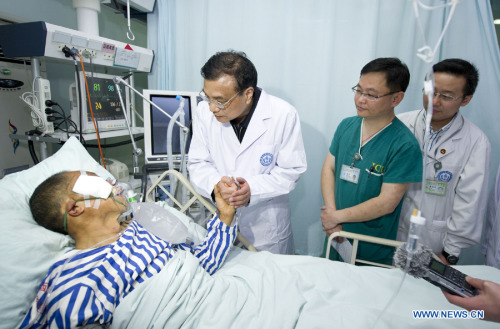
(178, 114)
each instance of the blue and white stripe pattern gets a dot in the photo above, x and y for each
(89, 284)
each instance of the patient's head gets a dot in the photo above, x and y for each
(47, 201)
(56, 206)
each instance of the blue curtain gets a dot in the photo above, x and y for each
(310, 53)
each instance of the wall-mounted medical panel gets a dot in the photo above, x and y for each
(41, 39)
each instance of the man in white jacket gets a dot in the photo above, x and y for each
(456, 166)
(250, 144)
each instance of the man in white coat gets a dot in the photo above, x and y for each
(250, 144)
(456, 167)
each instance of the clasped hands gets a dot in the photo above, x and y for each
(331, 222)
(226, 212)
(235, 193)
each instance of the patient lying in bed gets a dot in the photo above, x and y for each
(250, 290)
(111, 257)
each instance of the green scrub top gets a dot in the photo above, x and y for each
(392, 156)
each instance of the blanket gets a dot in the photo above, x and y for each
(263, 290)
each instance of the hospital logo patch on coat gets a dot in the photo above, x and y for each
(266, 159)
(444, 176)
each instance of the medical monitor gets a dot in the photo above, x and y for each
(156, 123)
(105, 101)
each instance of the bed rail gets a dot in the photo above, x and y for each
(194, 196)
(360, 237)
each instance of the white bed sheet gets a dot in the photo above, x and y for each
(262, 290)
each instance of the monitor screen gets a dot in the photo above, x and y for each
(156, 123)
(104, 99)
(106, 104)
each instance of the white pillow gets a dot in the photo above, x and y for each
(26, 249)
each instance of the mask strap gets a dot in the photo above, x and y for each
(65, 222)
(65, 218)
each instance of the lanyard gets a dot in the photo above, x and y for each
(357, 156)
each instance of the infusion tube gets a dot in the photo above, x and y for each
(177, 114)
(416, 223)
(429, 91)
(416, 220)
(427, 55)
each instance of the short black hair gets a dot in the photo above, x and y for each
(46, 201)
(460, 67)
(233, 63)
(397, 75)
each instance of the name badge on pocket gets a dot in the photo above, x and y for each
(435, 187)
(350, 174)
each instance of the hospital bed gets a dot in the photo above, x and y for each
(356, 238)
(192, 198)
(251, 290)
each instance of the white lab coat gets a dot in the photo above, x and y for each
(491, 244)
(454, 220)
(274, 131)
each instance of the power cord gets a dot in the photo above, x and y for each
(31, 99)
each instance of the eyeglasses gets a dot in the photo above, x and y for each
(444, 97)
(218, 104)
(370, 97)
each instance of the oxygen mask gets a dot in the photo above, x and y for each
(122, 193)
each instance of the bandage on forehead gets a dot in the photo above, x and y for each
(85, 196)
(92, 185)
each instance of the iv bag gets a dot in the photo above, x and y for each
(160, 222)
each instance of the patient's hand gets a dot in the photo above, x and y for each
(227, 187)
(226, 212)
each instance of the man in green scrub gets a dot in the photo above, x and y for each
(371, 162)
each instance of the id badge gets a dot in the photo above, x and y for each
(435, 187)
(350, 174)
